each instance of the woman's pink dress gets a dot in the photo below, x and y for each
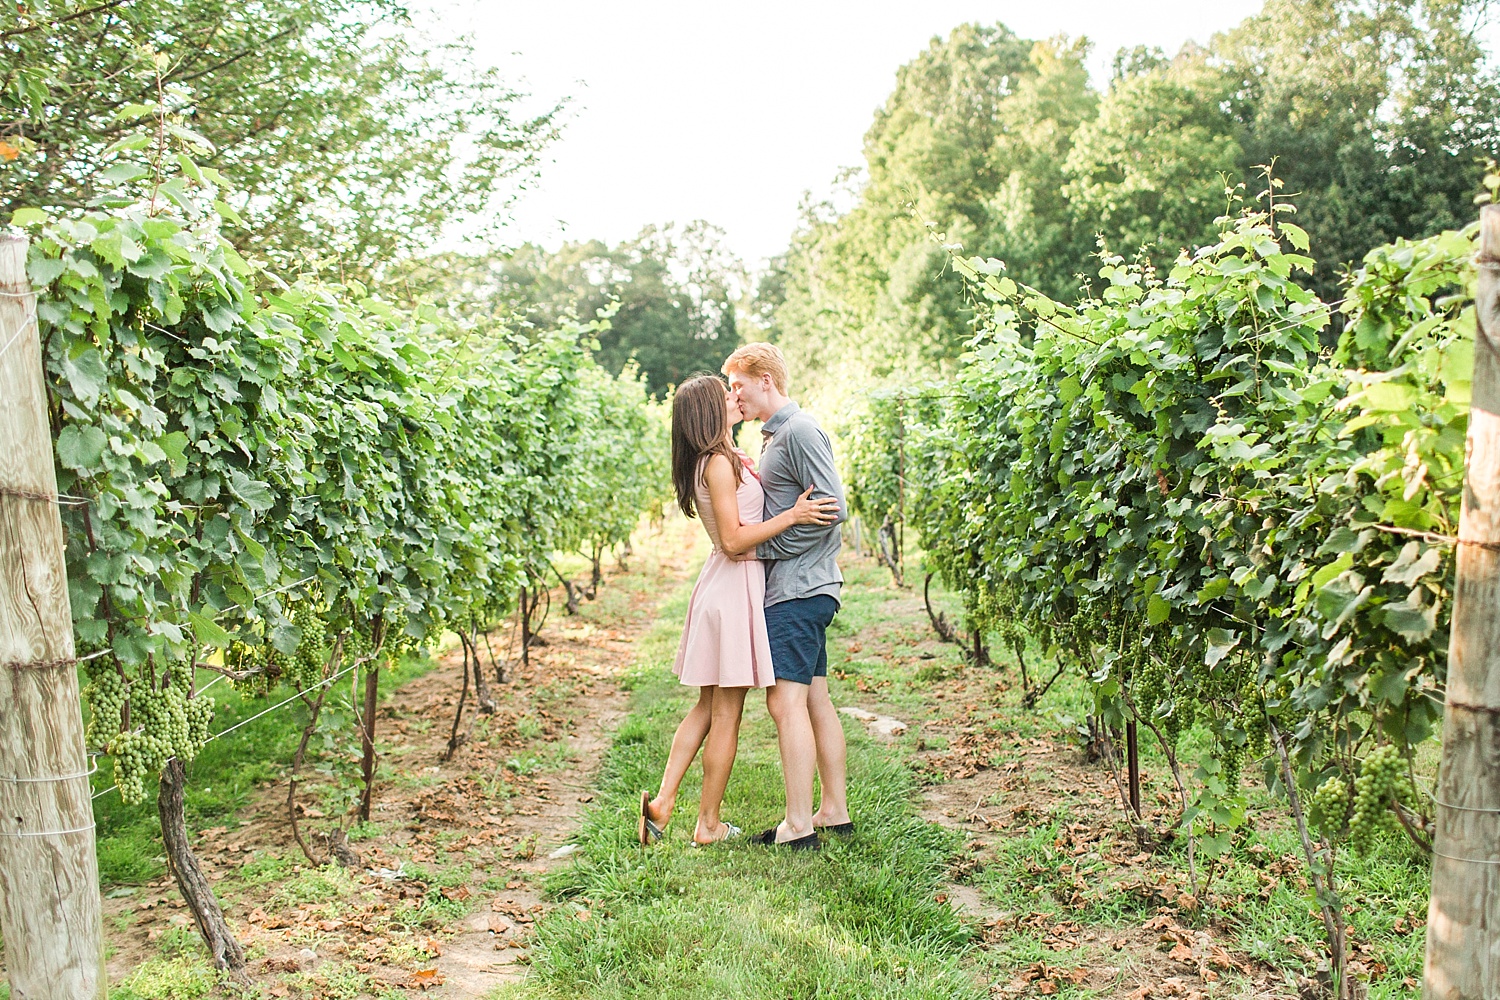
(724, 641)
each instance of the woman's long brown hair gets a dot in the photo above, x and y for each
(700, 427)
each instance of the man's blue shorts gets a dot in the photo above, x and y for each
(797, 632)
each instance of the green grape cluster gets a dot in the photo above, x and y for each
(146, 748)
(397, 641)
(106, 694)
(1328, 809)
(166, 723)
(1253, 716)
(188, 721)
(357, 642)
(312, 652)
(200, 717)
(1232, 756)
(135, 756)
(1378, 785)
(1157, 699)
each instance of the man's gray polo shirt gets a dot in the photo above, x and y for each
(803, 560)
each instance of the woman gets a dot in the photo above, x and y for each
(724, 651)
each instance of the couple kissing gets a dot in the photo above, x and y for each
(763, 602)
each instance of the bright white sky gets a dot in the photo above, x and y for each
(730, 111)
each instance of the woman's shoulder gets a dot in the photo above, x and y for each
(716, 466)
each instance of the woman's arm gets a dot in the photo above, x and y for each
(737, 538)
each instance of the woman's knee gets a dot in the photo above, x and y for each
(728, 705)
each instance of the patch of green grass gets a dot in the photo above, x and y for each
(123, 862)
(549, 757)
(181, 942)
(263, 868)
(338, 981)
(858, 919)
(327, 884)
(528, 727)
(364, 830)
(179, 978)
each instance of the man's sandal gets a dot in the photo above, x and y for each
(768, 839)
(845, 830)
(646, 831)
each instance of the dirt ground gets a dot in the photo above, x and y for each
(503, 808)
(992, 785)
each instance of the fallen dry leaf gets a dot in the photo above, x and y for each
(426, 979)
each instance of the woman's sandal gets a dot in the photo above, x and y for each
(845, 830)
(646, 831)
(730, 832)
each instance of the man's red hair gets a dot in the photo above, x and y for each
(755, 360)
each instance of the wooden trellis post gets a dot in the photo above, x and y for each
(49, 877)
(1463, 918)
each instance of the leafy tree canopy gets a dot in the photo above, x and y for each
(670, 295)
(1376, 113)
(345, 134)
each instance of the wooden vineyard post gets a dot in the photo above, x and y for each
(1463, 918)
(49, 876)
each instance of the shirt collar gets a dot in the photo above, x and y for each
(780, 417)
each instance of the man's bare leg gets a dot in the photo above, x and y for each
(832, 753)
(690, 734)
(787, 703)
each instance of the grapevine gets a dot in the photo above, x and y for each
(1181, 451)
(287, 477)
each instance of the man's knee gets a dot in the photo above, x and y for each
(785, 698)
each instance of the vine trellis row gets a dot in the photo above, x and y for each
(1222, 530)
(300, 476)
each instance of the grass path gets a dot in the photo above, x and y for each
(862, 918)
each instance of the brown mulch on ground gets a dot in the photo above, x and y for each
(477, 831)
(997, 785)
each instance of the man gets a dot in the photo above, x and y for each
(802, 595)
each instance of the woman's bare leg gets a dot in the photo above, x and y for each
(718, 760)
(685, 743)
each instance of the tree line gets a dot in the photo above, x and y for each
(354, 145)
(1376, 116)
